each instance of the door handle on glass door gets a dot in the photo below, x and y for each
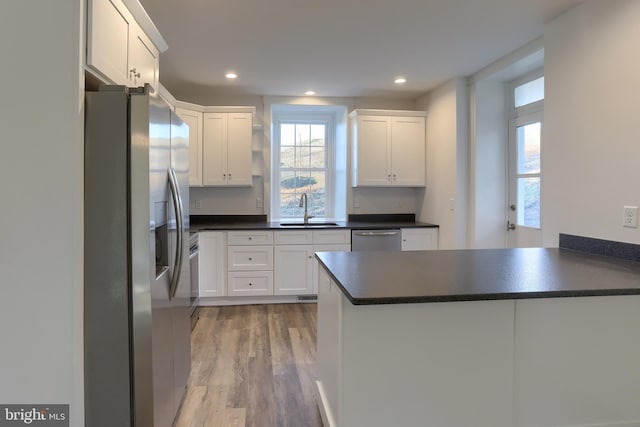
(510, 226)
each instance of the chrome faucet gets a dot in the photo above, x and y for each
(304, 202)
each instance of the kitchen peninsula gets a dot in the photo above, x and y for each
(493, 337)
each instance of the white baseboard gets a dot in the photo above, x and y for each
(218, 301)
(327, 419)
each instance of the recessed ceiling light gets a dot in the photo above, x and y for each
(309, 93)
(400, 80)
(231, 75)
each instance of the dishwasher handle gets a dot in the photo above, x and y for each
(376, 233)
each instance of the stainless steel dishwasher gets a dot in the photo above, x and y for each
(376, 240)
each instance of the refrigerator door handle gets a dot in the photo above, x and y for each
(177, 206)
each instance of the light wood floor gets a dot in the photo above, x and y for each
(253, 365)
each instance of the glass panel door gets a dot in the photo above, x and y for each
(525, 146)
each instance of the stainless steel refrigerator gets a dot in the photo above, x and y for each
(136, 300)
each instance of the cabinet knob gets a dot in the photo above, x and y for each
(250, 259)
(135, 73)
(250, 284)
(389, 177)
(250, 238)
(394, 176)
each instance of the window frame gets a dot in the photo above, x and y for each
(522, 116)
(303, 115)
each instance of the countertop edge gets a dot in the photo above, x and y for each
(480, 296)
(274, 226)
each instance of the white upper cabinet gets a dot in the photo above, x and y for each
(144, 60)
(118, 49)
(388, 148)
(227, 148)
(194, 120)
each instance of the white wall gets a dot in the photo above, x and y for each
(488, 165)
(41, 185)
(444, 201)
(591, 155)
(242, 200)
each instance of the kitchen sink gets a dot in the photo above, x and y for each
(311, 224)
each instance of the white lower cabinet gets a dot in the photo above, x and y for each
(293, 269)
(249, 263)
(211, 264)
(419, 239)
(265, 262)
(250, 283)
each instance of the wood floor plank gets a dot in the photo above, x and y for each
(253, 366)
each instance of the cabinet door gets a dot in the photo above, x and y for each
(143, 59)
(194, 120)
(211, 264)
(239, 148)
(408, 151)
(109, 29)
(372, 151)
(419, 239)
(214, 149)
(344, 247)
(293, 268)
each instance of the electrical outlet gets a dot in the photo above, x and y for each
(198, 204)
(630, 218)
(259, 202)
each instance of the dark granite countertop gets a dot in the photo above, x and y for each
(258, 222)
(477, 274)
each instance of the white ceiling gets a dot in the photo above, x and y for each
(338, 47)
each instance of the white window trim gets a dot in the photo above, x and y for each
(293, 114)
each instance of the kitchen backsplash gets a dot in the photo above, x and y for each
(244, 200)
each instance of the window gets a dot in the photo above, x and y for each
(528, 93)
(303, 161)
(525, 149)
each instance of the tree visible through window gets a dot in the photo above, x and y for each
(303, 160)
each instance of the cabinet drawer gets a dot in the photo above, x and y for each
(249, 258)
(322, 237)
(250, 283)
(293, 237)
(250, 237)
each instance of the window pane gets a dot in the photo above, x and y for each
(318, 158)
(317, 134)
(287, 134)
(529, 148)
(303, 134)
(289, 205)
(317, 182)
(529, 202)
(287, 157)
(528, 93)
(302, 157)
(317, 204)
